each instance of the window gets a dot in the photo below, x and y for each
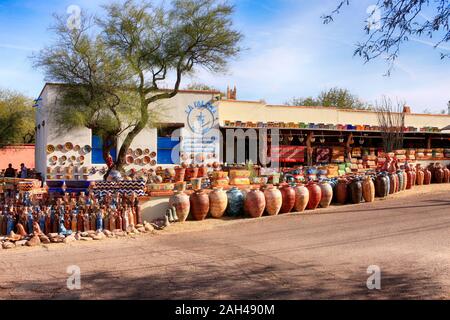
(97, 150)
(167, 143)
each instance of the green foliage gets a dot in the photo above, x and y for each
(113, 65)
(335, 97)
(16, 118)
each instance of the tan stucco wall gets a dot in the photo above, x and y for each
(258, 111)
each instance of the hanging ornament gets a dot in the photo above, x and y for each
(322, 140)
(313, 139)
(361, 141)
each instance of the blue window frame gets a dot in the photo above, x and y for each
(97, 151)
(165, 149)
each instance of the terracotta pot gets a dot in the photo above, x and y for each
(381, 186)
(438, 175)
(356, 193)
(342, 191)
(255, 203)
(327, 194)
(446, 175)
(218, 203)
(179, 174)
(393, 183)
(401, 181)
(368, 188)
(196, 183)
(427, 177)
(411, 180)
(274, 200)
(199, 202)
(405, 183)
(315, 195)
(301, 198)
(202, 172)
(180, 201)
(420, 177)
(288, 196)
(191, 173)
(235, 202)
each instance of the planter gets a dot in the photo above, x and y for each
(368, 188)
(356, 193)
(274, 200)
(315, 195)
(235, 202)
(288, 196)
(255, 203)
(327, 194)
(342, 191)
(180, 201)
(218, 202)
(382, 186)
(196, 183)
(199, 202)
(180, 174)
(191, 173)
(301, 198)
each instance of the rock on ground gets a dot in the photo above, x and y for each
(34, 241)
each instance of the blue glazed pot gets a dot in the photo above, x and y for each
(235, 202)
(401, 180)
(99, 224)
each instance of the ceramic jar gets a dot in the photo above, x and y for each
(199, 202)
(327, 194)
(368, 189)
(288, 196)
(438, 174)
(356, 193)
(191, 173)
(427, 177)
(420, 176)
(342, 191)
(179, 174)
(315, 195)
(180, 201)
(255, 203)
(301, 198)
(381, 186)
(218, 203)
(393, 183)
(401, 180)
(446, 175)
(235, 202)
(274, 200)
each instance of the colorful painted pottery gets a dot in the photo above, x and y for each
(368, 188)
(202, 171)
(68, 146)
(179, 174)
(146, 160)
(401, 180)
(288, 197)
(327, 194)
(87, 149)
(60, 147)
(405, 180)
(315, 195)
(153, 163)
(129, 151)
(356, 192)
(196, 183)
(381, 186)
(342, 191)
(180, 186)
(77, 148)
(191, 173)
(301, 198)
(199, 202)
(235, 202)
(153, 155)
(218, 203)
(129, 160)
(255, 203)
(274, 200)
(180, 201)
(393, 183)
(50, 148)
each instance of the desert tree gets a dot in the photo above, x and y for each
(391, 119)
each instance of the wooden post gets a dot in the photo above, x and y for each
(309, 149)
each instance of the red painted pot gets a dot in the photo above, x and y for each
(199, 202)
(288, 196)
(411, 180)
(180, 174)
(427, 177)
(342, 191)
(315, 195)
(446, 175)
(420, 177)
(255, 203)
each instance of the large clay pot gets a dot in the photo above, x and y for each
(393, 183)
(420, 177)
(180, 201)
(191, 173)
(438, 174)
(274, 200)
(401, 180)
(368, 189)
(315, 195)
(446, 175)
(235, 202)
(356, 192)
(327, 194)
(288, 196)
(342, 191)
(255, 203)
(427, 177)
(301, 198)
(218, 203)
(199, 201)
(179, 174)
(382, 186)
(411, 180)
(405, 180)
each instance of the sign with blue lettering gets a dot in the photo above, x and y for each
(201, 117)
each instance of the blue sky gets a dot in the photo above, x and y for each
(289, 53)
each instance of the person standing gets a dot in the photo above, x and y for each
(23, 174)
(10, 172)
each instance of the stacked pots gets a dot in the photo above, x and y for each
(274, 200)
(199, 201)
(382, 186)
(315, 195)
(288, 197)
(255, 203)
(235, 202)
(368, 188)
(191, 173)
(356, 192)
(327, 194)
(179, 174)
(218, 202)
(342, 191)
(180, 201)
(301, 198)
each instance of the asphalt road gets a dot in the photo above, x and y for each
(323, 255)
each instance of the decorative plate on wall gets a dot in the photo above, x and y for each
(60, 147)
(138, 152)
(147, 151)
(87, 149)
(130, 160)
(50, 148)
(153, 154)
(147, 160)
(130, 151)
(77, 148)
(153, 163)
(68, 146)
